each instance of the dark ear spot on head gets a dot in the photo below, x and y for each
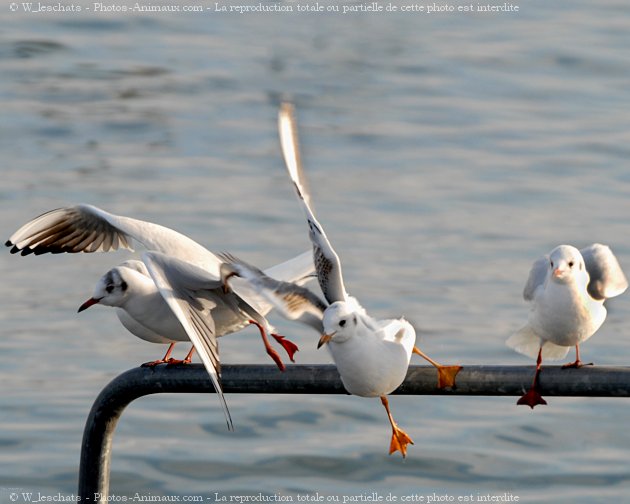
(354, 320)
(124, 286)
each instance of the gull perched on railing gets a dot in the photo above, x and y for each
(567, 289)
(185, 273)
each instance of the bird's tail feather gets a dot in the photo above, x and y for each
(527, 342)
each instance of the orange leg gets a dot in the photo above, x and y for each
(533, 397)
(446, 374)
(164, 359)
(400, 439)
(578, 363)
(270, 351)
(187, 359)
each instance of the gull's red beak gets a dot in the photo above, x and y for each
(87, 304)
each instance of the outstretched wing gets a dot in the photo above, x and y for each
(327, 263)
(606, 277)
(82, 228)
(293, 301)
(190, 292)
(86, 228)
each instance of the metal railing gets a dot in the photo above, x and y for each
(94, 468)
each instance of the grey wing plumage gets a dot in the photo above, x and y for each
(81, 228)
(537, 276)
(327, 263)
(190, 292)
(293, 301)
(606, 277)
(299, 303)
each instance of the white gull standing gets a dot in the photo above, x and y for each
(567, 289)
(372, 356)
(179, 267)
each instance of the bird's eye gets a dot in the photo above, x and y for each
(570, 264)
(552, 264)
(342, 322)
(109, 289)
(124, 286)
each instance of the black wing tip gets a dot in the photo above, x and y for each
(43, 250)
(15, 249)
(23, 252)
(28, 250)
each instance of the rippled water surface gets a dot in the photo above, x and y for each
(446, 152)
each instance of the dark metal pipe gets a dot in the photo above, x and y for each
(94, 467)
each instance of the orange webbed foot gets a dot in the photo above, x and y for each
(289, 347)
(576, 365)
(446, 376)
(153, 363)
(176, 362)
(270, 351)
(163, 360)
(399, 442)
(531, 398)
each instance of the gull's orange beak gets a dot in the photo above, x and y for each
(558, 272)
(324, 339)
(87, 304)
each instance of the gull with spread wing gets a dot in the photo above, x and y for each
(372, 356)
(567, 289)
(179, 267)
(144, 311)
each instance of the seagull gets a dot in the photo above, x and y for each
(176, 263)
(144, 311)
(140, 307)
(372, 356)
(567, 289)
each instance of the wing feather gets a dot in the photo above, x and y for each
(86, 228)
(293, 301)
(536, 279)
(606, 276)
(327, 263)
(179, 283)
(81, 228)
